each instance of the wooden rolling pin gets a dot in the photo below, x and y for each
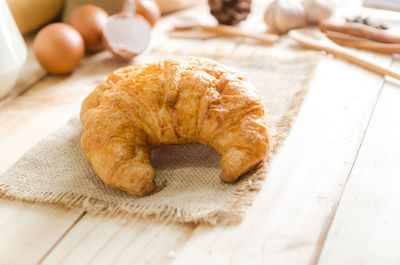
(361, 43)
(359, 30)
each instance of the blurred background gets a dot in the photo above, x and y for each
(32, 14)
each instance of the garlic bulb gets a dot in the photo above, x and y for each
(283, 15)
(317, 10)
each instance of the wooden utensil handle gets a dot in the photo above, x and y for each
(359, 30)
(363, 62)
(266, 38)
(307, 38)
(344, 36)
(361, 43)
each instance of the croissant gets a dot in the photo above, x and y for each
(175, 101)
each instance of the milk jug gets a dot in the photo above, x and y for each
(12, 50)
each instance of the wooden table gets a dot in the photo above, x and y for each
(332, 196)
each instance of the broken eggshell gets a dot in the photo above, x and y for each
(126, 35)
(149, 10)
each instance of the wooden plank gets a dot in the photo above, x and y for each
(42, 109)
(289, 218)
(27, 232)
(99, 240)
(366, 227)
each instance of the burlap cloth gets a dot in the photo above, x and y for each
(56, 170)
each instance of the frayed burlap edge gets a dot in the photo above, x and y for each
(234, 210)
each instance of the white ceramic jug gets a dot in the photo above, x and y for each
(12, 50)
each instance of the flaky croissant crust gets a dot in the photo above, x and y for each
(175, 101)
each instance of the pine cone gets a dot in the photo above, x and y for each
(230, 12)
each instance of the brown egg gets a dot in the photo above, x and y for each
(149, 10)
(58, 47)
(89, 21)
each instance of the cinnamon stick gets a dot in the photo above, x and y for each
(359, 30)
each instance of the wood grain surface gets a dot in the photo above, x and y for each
(367, 220)
(331, 196)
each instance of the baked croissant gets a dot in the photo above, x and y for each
(175, 101)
